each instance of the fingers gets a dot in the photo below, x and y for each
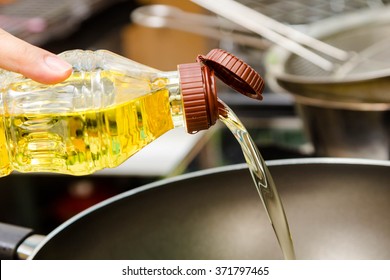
(40, 65)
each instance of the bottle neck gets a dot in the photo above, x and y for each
(175, 98)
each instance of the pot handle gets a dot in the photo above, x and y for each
(11, 237)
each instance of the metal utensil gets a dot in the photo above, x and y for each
(276, 32)
(332, 59)
(165, 16)
(346, 117)
(239, 29)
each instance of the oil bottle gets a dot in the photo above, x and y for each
(108, 109)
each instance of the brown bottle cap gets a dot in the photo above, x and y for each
(234, 72)
(199, 96)
(197, 85)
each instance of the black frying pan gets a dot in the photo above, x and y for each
(337, 209)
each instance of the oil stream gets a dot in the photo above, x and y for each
(263, 180)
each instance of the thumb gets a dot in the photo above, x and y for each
(35, 63)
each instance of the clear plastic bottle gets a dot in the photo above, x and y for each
(107, 110)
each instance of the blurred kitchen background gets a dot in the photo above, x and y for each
(44, 201)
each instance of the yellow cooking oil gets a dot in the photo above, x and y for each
(5, 166)
(78, 141)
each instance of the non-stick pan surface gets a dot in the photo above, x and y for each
(337, 209)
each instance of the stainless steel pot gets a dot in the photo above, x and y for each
(337, 209)
(347, 116)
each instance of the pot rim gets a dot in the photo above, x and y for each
(332, 104)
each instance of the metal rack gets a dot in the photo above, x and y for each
(299, 12)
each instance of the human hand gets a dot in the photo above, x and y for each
(33, 62)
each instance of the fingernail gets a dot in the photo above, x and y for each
(57, 64)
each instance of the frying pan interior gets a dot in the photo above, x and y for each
(337, 209)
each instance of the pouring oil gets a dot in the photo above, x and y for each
(112, 107)
(263, 181)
